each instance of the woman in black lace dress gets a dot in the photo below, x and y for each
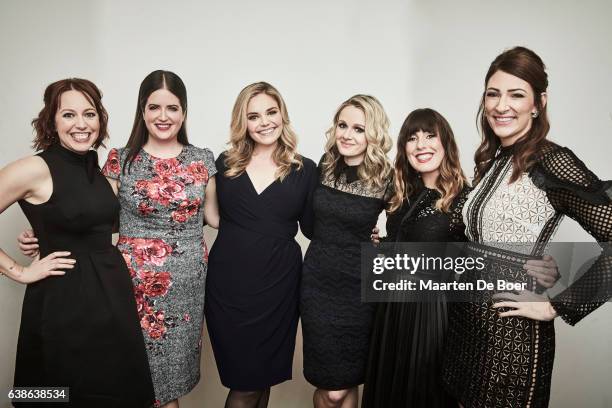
(524, 185)
(408, 337)
(354, 183)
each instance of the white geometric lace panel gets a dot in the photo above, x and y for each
(514, 212)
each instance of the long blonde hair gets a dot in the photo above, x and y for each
(375, 167)
(451, 180)
(241, 144)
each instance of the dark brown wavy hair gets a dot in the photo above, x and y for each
(155, 80)
(527, 65)
(406, 179)
(44, 124)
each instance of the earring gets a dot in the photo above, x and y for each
(534, 114)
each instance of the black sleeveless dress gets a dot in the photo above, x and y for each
(81, 330)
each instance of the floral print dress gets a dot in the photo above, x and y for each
(161, 240)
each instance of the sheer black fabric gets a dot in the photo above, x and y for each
(575, 191)
(404, 363)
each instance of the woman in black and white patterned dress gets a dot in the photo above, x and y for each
(501, 354)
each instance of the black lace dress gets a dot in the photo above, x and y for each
(335, 323)
(404, 364)
(493, 361)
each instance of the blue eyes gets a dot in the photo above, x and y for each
(343, 125)
(270, 113)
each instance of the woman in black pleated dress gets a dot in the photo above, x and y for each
(79, 324)
(408, 337)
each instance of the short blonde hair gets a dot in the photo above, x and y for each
(375, 168)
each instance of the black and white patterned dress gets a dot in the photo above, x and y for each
(335, 323)
(493, 361)
(161, 240)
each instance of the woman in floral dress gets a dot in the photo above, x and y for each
(161, 179)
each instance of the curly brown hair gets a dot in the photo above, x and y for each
(527, 65)
(44, 123)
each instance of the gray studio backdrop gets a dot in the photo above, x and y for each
(409, 54)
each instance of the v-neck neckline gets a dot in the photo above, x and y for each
(253, 184)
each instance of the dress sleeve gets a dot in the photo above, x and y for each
(112, 167)
(576, 192)
(311, 180)
(209, 162)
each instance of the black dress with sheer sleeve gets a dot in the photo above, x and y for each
(493, 361)
(81, 330)
(335, 323)
(404, 363)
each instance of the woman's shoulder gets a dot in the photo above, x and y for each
(197, 149)
(308, 164)
(29, 167)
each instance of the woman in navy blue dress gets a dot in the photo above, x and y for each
(263, 190)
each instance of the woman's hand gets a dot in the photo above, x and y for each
(545, 270)
(28, 243)
(50, 265)
(525, 304)
(374, 237)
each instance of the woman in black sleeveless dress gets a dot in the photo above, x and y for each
(79, 325)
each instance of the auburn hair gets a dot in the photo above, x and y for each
(44, 123)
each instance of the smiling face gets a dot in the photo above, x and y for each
(350, 135)
(425, 153)
(76, 122)
(509, 106)
(163, 115)
(264, 120)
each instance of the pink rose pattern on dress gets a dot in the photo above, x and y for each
(139, 254)
(167, 188)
